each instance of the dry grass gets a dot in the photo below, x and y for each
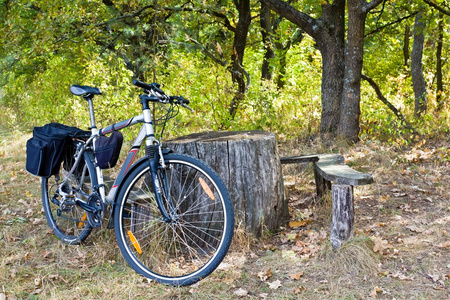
(407, 209)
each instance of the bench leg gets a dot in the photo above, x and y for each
(343, 214)
(322, 185)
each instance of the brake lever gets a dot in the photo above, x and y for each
(185, 106)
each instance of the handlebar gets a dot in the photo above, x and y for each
(148, 87)
(156, 94)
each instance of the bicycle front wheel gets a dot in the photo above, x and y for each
(191, 243)
(67, 220)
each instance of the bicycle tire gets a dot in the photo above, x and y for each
(70, 225)
(192, 245)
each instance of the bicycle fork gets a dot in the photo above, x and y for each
(159, 182)
(156, 159)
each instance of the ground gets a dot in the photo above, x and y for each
(401, 248)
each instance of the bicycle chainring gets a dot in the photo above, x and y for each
(95, 219)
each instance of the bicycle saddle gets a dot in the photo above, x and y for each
(81, 90)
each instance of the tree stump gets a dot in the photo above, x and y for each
(249, 165)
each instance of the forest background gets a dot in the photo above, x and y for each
(242, 65)
(313, 72)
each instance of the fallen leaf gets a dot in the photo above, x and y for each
(414, 228)
(37, 281)
(264, 275)
(13, 273)
(275, 284)
(241, 292)
(263, 295)
(444, 245)
(296, 224)
(299, 289)
(376, 290)
(224, 266)
(296, 276)
(380, 245)
(47, 254)
(400, 276)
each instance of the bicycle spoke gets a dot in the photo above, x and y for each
(189, 240)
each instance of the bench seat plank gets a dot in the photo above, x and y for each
(299, 159)
(332, 167)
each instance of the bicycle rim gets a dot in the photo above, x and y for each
(193, 243)
(68, 223)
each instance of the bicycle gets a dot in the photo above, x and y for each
(172, 214)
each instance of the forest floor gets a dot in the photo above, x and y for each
(401, 248)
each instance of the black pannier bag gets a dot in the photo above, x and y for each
(107, 149)
(46, 148)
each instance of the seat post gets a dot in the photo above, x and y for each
(91, 112)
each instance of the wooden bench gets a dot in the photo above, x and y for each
(331, 173)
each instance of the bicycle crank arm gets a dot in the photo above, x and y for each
(86, 207)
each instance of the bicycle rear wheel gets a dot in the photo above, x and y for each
(195, 239)
(68, 221)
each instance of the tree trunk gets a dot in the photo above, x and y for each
(240, 39)
(420, 92)
(332, 47)
(282, 51)
(439, 83)
(267, 35)
(406, 45)
(249, 165)
(350, 105)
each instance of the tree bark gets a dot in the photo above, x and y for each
(420, 91)
(350, 106)
(250, 167)
(439, 83)
(354, 51)
(240, 38)
(267, 36)
(406, 45)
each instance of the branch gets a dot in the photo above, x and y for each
(242, 71)
(371, 5)
(391, 23)
(310, 25)
(383, 99)
(239, 68)
(207, 52)
(434, 5)
(132, 15)
(220, 15)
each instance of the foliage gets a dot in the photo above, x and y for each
(50, 45)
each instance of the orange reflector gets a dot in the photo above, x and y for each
(83, 218)
(206, 188)
(134, 242)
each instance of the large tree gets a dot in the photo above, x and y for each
(341, 62)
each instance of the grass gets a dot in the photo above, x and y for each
(414, 265)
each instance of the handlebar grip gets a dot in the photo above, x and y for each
(150, 87)
(183, 100)
(142, 84)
